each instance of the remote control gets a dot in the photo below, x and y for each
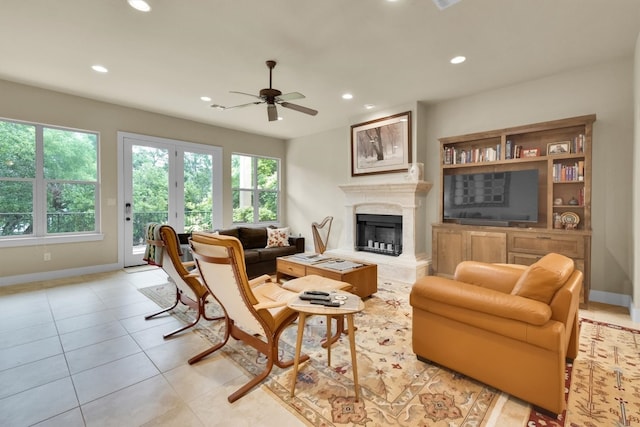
(323, 293)
(321, 298)
(326, 303)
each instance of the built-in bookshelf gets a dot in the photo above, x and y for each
(560, 151)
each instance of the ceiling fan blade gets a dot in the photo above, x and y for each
(272, 112)
(244, 93)
(300, 108)
(289, 96)
(222, 107)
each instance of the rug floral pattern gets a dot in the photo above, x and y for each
(396, 388)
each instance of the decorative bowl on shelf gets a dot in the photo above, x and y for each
(570, 220)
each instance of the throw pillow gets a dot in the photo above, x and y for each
(542, 279)
(277, 237)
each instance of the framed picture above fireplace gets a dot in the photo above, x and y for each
(382, 145)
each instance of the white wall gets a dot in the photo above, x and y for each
(605, 90)
(317, 164)
(635, 310)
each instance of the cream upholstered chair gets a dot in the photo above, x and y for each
(256, 311)
(164, 251)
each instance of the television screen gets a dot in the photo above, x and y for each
(492, 198)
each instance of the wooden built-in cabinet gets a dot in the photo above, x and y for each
(560, 151)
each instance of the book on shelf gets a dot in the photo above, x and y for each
(568, 173)
(507, 150)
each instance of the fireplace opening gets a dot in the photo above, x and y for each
(381, 234)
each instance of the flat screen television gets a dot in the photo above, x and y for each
(496, 198)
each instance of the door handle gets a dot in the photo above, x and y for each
(127, 211)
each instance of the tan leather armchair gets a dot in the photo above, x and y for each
(509, 326)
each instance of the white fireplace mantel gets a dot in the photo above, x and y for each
(407, 199)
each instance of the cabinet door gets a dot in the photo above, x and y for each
(485, 246)
(448, 250)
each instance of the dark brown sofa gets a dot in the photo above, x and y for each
(258, 258)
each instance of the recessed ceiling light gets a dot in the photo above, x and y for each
(140, 5)
(280, 118)
(347, 96)
(369, 106)
(99, 68)
(205, 98)
(458, 59)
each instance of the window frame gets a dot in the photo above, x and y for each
(256, 191)
(40, 235)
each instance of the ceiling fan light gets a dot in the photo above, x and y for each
(140, 5)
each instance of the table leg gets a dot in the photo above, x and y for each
(328, 340)
(352, 343)
(301, 321)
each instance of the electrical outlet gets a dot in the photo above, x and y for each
(47, 256)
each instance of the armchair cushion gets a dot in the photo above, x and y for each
(543, 278)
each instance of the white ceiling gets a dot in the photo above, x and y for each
(385, 53)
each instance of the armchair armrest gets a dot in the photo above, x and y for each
(479, 299)
(259, 280)
(298, 242)
(269, 304)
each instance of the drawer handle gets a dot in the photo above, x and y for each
(543, 237)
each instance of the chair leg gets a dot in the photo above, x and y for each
(208, 351)
(339, 331)
(254, 381)
(190, 325)
(202, 308)
(164, 310)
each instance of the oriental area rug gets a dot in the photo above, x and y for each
(398, 390)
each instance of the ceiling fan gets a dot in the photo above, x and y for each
(272, 97)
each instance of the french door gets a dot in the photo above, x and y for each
(168, 182)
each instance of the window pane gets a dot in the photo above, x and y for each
(242, 206)
(150, 189)
(70, 207)
(198, 192)
(17, 151)
(241, 171)
(16, 208)
(268, 206)
(70, 155)
(267, 174)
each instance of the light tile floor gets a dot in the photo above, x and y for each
(78, 352)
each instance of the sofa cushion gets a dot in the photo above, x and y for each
(230, 232)
(277, 237)
(252, 238)
(251, 256)
(269, 254)
(543, 278)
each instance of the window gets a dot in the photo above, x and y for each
(48, 181)
(255, 185)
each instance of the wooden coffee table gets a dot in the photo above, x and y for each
(363, 279)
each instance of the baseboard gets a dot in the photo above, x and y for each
(611, 298)
(57, 274)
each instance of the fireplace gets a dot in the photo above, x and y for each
(380, 234)
(391, 213)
